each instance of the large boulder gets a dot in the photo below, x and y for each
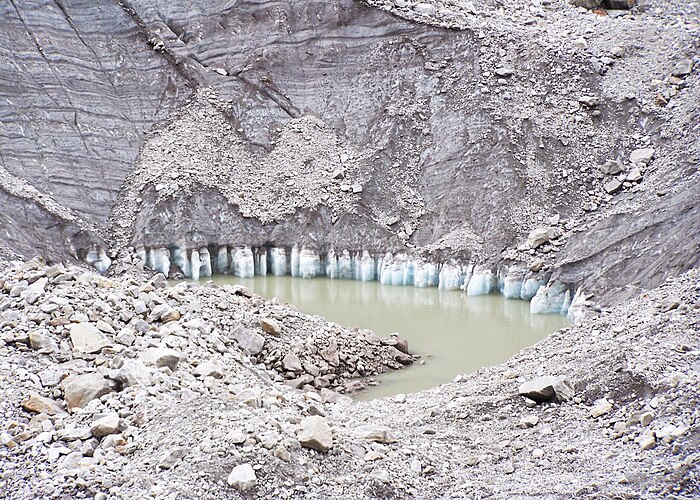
(87, 338)
(248, 339)
(316, 434)
(79, 390)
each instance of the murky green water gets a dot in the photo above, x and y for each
(454, 333)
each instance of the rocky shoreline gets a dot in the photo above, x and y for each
(124, 388)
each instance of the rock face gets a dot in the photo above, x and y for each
(411, 175)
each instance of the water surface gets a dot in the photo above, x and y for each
(454, 333)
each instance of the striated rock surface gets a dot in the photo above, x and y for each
(428, 127)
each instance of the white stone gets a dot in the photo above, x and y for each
(243, 477)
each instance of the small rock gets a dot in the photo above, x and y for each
(646, 441)
(472, 460)
(132, 373)
(282, 453)
(299, 382)
(164, 313)
(634, 175)
(619, 4)
(315, 434)
(424, 9)
(529, 421)
(236, 436)
(376, 433)
(250, 397)
(646, 418)
(103, 326)
(330, 354)
(242, 477)
(41, 340)
(504, 72)
(589, 101)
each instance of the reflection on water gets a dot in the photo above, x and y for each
(453, 333)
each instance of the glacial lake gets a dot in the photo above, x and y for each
(454, 333)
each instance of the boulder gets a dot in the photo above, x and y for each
(642, 156)
(291, 363)
(612, 186)
(682, 68)
(132, 373)
(376, 434)
(209, 369)
(105, 426)
(40, 404)
(601, 407)
(41, 340)
(160, 357)
(611, 167)
(619, 4)
(537, 237)
(271, 326)
(248, 339)
(548, 388)
(242, 477)
(164, 313)
(79, 390)
(87, 338)
(586, 4)
(316, 434)
(35, 290)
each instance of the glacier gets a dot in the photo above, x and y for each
(401, 269)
